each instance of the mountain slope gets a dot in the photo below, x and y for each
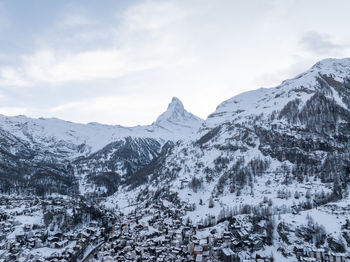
(94, 157)
(69, 139)
(176, 118)
(325, 77)
(270, 143)
(27, 170)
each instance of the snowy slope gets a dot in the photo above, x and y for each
(176, 118)
(267, 100)
(52, 155)
(174, 124)
(289, 138)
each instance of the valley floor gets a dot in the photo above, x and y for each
(60, 228)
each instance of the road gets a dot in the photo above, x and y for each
(92, 252)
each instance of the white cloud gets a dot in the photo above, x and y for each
(109, 108)
(142, 45)
(9, 76)
(201, 51)
(13, 111)
(318, 43)
(49, 66)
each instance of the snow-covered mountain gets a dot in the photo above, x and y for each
(279, 137)
(325, 77)
(101, 153)
(176, 118)
(76, 139)
(265, 175)
(267, 143)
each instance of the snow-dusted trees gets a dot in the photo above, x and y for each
(317, 233)
(337, 188)
(196, 183)
(308, 194)
(270, 226)
(283, 193)
(211, 202)
(296, 195)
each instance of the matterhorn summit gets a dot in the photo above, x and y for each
(177, 118)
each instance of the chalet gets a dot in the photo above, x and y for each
(20, 237)
(236, 226)
(197, 250)
(206, 254)
(199, 258)
(243, 256)
(91, 230)
(70, 236)
(204, 244)
(68, 252)
(81, 242)
(60, 244)
(9, 244)
(31, 242)
(84, 235)
(26, 228)
(227, 255)
(336, 257)
(258, 244)
(53, 239)
(38, 243)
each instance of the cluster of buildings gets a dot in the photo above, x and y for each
(48, 230)
(320, 255)
(24, 235)
(150, 234)
(160, 234)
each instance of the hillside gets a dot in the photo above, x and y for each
(52, 155)
(284, 148)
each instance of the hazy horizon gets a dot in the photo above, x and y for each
(120, 63)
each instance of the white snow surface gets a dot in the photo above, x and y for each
(266, 100)
(174, 124)
(189, 160)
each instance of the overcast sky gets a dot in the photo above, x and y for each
(121, 62)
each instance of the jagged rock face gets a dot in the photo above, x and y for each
(70, 140)
(52, 155)
(176, 115)
(106, 169)
(297, 129)
(28, 170)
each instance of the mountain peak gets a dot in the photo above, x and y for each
(176, 105)
(177, 114)
(338, 68)
(332, 62)
(301, 88)
(175, 100)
